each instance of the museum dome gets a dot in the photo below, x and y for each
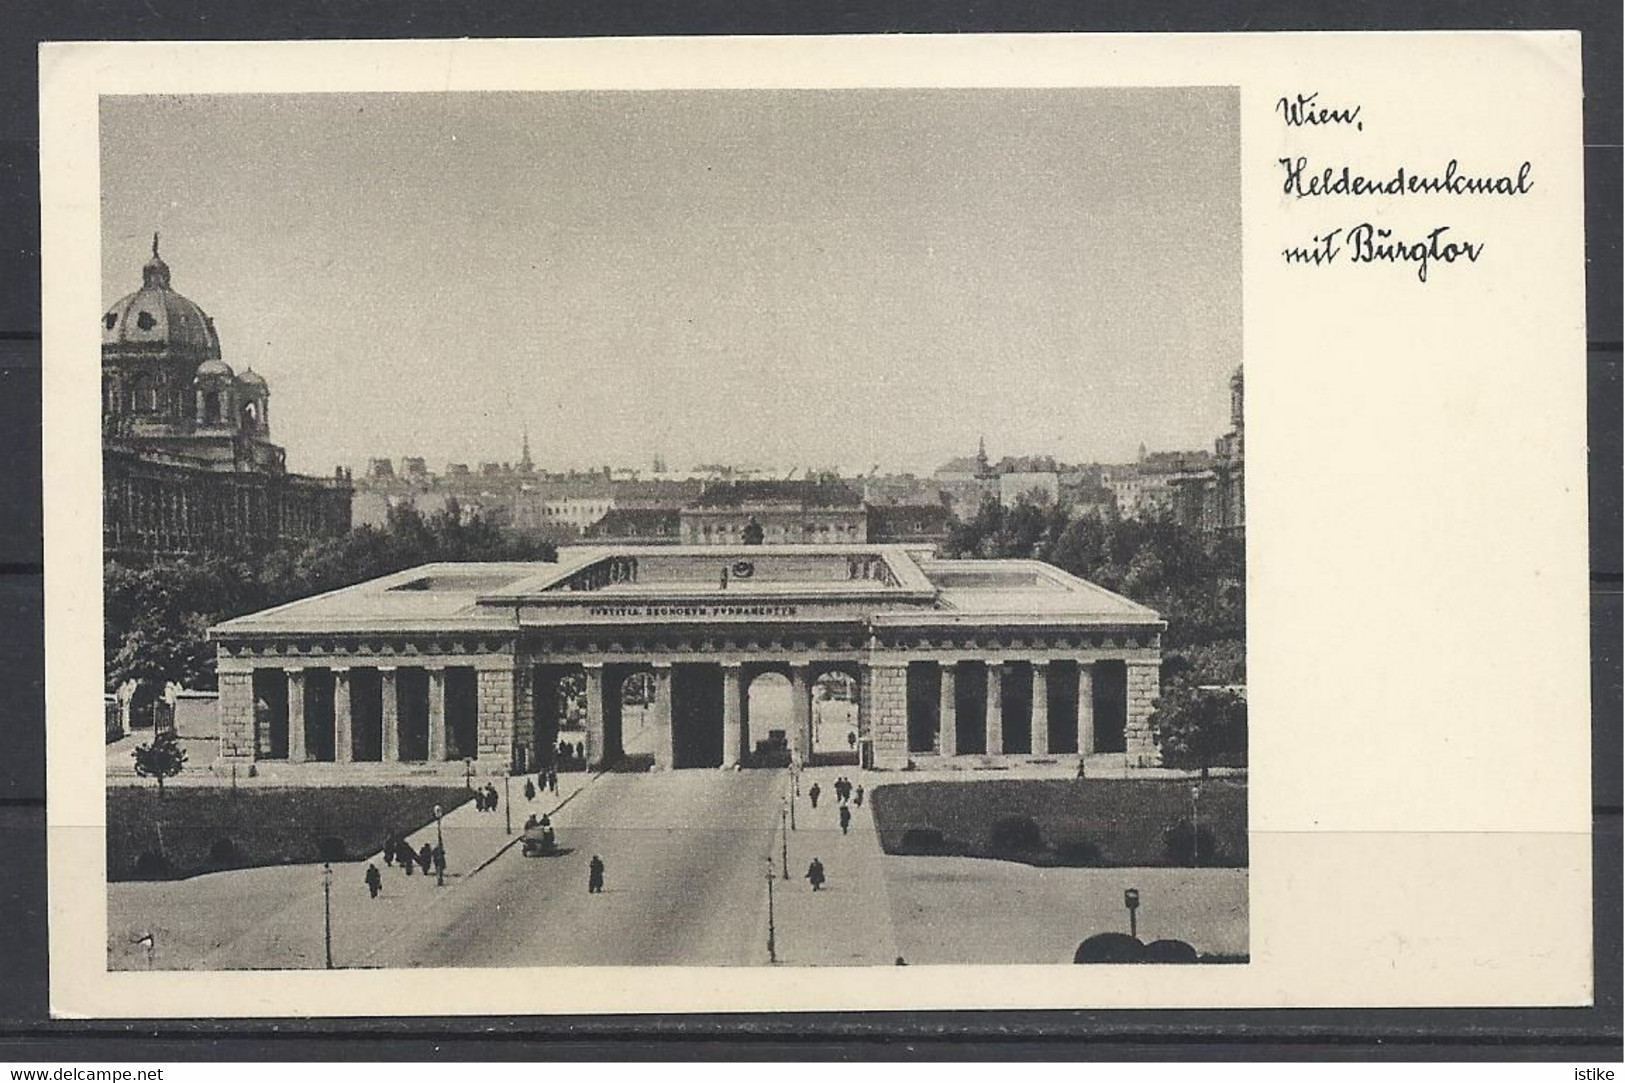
(155, 318)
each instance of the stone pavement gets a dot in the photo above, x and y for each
(848, 922)
(272, 918)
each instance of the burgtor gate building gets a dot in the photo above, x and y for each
(950, 659)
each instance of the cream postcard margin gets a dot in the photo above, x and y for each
(1418, 630)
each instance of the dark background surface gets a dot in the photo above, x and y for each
(26, 1033)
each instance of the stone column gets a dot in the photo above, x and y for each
(1086, 708)
(660, 716)
(733, 735)
(239, 737)
(343, 719)
(296, 716)
(948, 723)
(1144, 686)
(887, 716)
(995, 709)
(437, 715)
(594, 685)
(390, 712)
(801, 741)
(1040, 702)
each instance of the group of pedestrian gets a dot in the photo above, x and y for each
(397, 851)
(849, 795)
(485, 800)
(547, 781)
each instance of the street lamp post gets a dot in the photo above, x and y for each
(1131, 899)
(327, 910)
(1196, 830)
(772, 946)
(507, 806)
(440, 843)
(468, 774)
(784, 837)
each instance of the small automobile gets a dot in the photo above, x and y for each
(539, 841)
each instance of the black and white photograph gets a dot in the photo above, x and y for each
(644, 528)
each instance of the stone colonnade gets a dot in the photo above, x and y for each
(482, 707)
(357, 710)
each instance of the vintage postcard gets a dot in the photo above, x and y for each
(766, 524)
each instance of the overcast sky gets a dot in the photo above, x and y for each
(789, 278)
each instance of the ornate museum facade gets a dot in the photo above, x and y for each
(188, 464)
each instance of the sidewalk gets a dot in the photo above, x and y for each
(848, 922)
(272, 918)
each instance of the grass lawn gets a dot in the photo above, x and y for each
(282, 826)
(1096, 822)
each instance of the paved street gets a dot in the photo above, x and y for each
(685, 853)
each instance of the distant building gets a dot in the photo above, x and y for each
(641, 526)
(1149, 488)
(188, 465)
(808, 511)
(909, 524)
(1194, 488)
(1041, 487)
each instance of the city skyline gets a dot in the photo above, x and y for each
(793, 277)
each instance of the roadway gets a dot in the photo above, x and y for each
(685, 853)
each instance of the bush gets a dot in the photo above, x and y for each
(1110, 948)
(330, 848)
(151, 865)
(921, 840)
(225, 852)
(1170, 951)
(1016, 835)
(1079, 852)
(1182, 847)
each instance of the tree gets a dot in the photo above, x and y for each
(161, 758)
(1196, 727)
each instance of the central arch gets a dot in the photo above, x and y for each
(835, 697)
(769, 714)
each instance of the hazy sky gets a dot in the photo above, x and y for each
(791, 277)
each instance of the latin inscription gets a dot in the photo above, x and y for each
(657, 612)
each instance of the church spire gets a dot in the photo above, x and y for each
(526, 465)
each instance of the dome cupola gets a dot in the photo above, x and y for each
(157, 320)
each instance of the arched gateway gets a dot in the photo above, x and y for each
(492, 662)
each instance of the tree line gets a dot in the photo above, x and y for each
(157, 612)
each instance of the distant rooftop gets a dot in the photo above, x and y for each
(809, 493)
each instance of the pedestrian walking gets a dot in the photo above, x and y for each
(389, 850)
(490, 797)
(812, 795)
(857, 797)
(404, 856)
(530, 790)
(595, 875)
(815, 874)
(530, 821)
(1082, 773)
(426, 858)
(846, 818)
(375, 880)
(438, 856)
(553, 783)
(581, 753)
(479, 800)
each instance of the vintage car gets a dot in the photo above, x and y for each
(539, 841)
